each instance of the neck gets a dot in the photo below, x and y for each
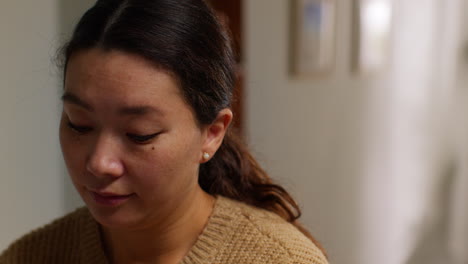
(168, 240)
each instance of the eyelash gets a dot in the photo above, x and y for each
(139, 139)
(79, 129)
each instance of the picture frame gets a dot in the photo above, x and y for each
(372, 26)
(313, 37)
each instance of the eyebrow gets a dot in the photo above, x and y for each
(138, 110)
(126, 110)
(71, 98)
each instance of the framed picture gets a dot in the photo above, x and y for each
(371, 35)
(313, 37)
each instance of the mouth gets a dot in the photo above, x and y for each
(110, 199)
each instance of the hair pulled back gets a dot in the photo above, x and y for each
(186, 38)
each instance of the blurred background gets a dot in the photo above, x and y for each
(356, 106)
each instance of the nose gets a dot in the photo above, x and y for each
(103, 159)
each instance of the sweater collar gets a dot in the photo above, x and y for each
(219, 228)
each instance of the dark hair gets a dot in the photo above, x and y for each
(186, 38)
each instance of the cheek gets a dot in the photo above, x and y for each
(184, 153)
(72, 150)
(167, 164)
(66, 142)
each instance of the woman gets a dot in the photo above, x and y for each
(145, 137)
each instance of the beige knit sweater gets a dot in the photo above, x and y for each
(235, 234)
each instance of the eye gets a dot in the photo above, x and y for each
(141, 139)
(79, 129)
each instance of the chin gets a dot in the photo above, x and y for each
(121, 216)
(115, 218)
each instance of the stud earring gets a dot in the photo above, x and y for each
(206, 156)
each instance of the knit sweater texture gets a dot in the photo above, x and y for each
(236, 233)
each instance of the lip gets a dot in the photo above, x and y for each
(109, 199)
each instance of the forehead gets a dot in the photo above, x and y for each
(119, 77)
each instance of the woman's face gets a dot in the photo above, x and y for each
(130, 142)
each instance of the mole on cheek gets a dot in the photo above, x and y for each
(152, 148)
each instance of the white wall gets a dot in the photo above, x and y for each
(365, 155)
(32, 174)
(458, 217)
(309, 133)
(30, 168)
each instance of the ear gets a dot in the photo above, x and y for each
(214, 134)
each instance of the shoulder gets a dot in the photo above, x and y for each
(266, 235)
(51, 243)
